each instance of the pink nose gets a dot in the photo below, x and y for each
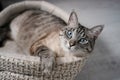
(72, 43)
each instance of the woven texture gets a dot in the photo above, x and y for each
(18, 69)
(4, 75)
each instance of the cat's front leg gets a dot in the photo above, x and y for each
(47, 58)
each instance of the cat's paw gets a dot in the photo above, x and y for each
(47, 65)
(47, 59)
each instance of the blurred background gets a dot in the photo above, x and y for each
(104, 63)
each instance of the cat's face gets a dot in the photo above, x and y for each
(78, 39)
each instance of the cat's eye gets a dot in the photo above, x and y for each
(83, 41)
(69, 34)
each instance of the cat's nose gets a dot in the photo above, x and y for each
(72, 43)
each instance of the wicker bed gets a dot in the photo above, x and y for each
(28, 67)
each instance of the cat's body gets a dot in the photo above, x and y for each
(40, 33)
(31, 27)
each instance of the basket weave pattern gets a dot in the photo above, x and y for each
(28, 70)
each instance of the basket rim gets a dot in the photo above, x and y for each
(25, 5)
(35, 59)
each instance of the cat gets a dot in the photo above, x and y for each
(39, 33)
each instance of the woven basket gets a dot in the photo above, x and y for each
(29, 67)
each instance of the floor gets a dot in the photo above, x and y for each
(104, 63)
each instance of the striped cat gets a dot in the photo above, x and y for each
(42, 34)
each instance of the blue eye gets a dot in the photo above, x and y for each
(69, 34)
(83, 41)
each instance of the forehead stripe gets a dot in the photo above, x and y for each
(83, 34)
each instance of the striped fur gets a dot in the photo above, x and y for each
(43, 34)
(77, 39)
(36, 26)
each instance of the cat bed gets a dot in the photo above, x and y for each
(21, 67)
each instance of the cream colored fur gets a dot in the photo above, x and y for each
(52, 40)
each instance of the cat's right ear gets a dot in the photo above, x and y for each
(95, 31)
(73, 19)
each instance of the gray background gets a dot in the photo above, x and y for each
(104, 63)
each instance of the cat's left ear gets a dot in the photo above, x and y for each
(73, 19)
(95, 31)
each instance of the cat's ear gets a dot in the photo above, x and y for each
(95, 31)
(73, 19)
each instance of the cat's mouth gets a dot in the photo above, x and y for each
(72, 49)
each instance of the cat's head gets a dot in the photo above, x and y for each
(78, 39)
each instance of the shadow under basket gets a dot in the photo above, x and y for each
(12, 68)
